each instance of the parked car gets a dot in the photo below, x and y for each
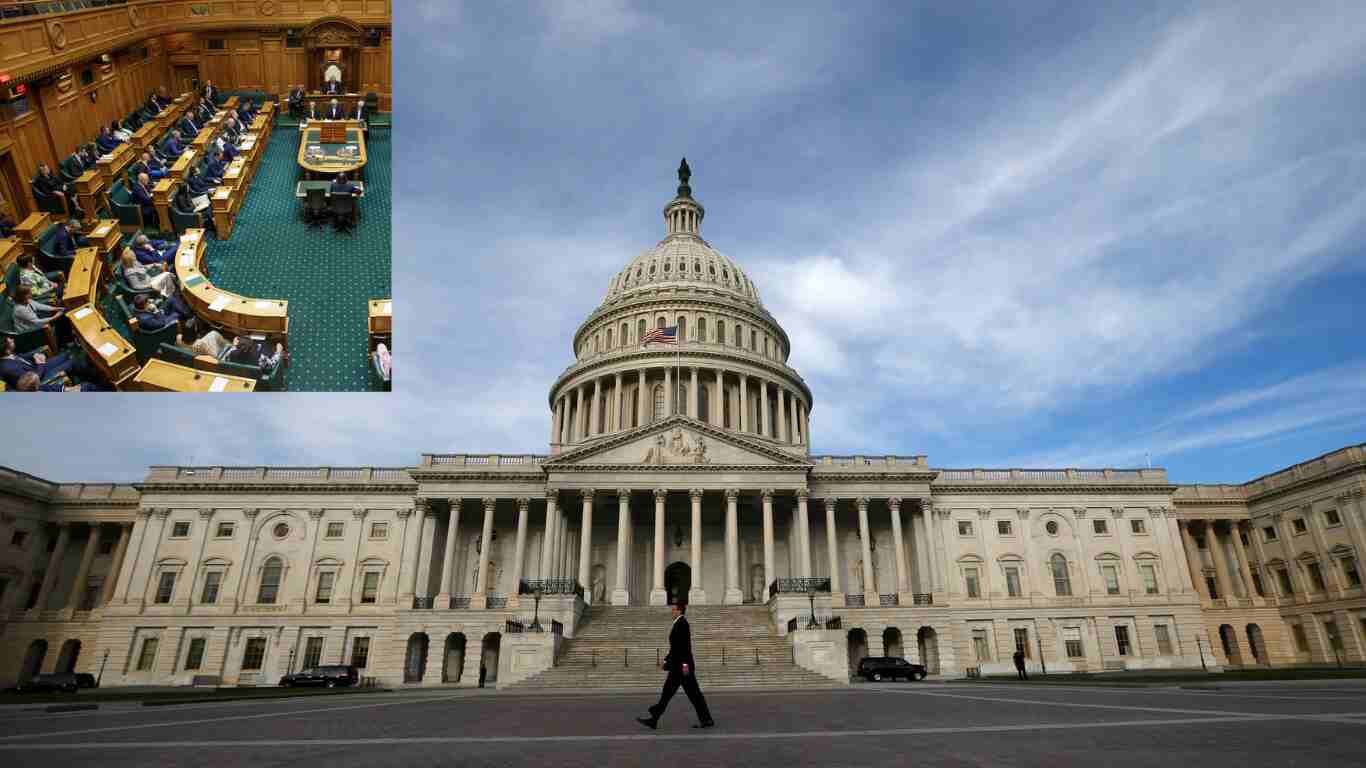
(328, 677)
(64, 682)
(878, 668)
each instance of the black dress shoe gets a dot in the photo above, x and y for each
(708, 724)
(648, 722)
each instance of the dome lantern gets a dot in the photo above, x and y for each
(683, 215)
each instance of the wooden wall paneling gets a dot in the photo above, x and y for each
(246, 62)
(273, 65)
(296, 67)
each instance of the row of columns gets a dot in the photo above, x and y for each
(576, 420)
(52, 572)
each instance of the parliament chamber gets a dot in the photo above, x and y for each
(195, 197)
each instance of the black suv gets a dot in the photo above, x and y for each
(327, 677)
(51, 681)
(878, 668)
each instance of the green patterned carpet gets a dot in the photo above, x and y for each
(328, 278)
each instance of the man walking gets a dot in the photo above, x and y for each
(682, 671)
(1020, 665)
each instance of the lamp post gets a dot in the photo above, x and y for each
(103, 661)
(811, 594)
(1201, 648)
(536, 619)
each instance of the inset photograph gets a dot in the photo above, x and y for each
(205, 210)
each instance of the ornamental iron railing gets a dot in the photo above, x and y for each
(550, 587)
(854, 601)
(798, 586)
(922, 598)
(888, 600)
(497, 601)
(460, 601)
(423, 603)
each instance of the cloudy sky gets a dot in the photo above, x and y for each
(1026, 234)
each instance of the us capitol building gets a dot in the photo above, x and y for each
(675, 471)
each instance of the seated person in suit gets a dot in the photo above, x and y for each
(172, 148)
(187, 127)
(211, 92)
(197, 182)
(41, 288)
(149, 164)
(68, 238)
(212, 343)
(73, 165)
(360, 110)
(90, 155)
(247, 112)
(296, 100)
(332, 86)
(149, 251)
(215, 167)
(141, 277)
(141, 193)
(232, 127)
(185, 204)
(204, 111)
(135, 119)
(120, 131)
(31, 382)
(106, 141)
(311, 111)
(342, 186)
(228, 149)
(48, 183)
(334, 111)
(14, 366)
(31, 315)
(245, 351)
(152, 317)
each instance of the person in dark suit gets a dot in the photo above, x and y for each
(198, 183)
(311, 110)
(334, 111)
(187, 126)
(210, 92)
(215, 167)
(205, 111)
(296, 101)
(74, 165)
(67, 239)
(1020, 665)
(332, 86)
(150, 317)
(342, 186)
(150, 165)
(90, 156)
(682, 671)
(142, 195)
(172, 148)
(148, 251)
(360, 110)
(106, 141)
(245, 351)
(247, 112)
(49, 183)
(14, 365)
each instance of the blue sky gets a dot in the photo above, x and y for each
(1026, 234)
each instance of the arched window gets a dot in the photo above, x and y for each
(702, 329)
(659, 322)
(640, 332)
(1062, 583)
(659, 402)
(725, 411)
(753, 341)
(609, 338)
(704, 402)
(682, 328)
(625, 334)
(270, 581)
(739, 335)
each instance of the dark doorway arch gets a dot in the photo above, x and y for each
(415, 662)
(454, 664)
(33, 660)
(488, 657)
(66, 658)
(891, 642)
(928, 640)
(858, 647)
(1229, 638)
(1257, 644)
(677, 582)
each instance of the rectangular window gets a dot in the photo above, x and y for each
(165, 586)
(313, 652)
(360, 652)
(970, 576)
(1149, 574)
(180, 529)
(379, 530)
(1013, 582)
(225, 530)
(254, 653)
(1257, 585)
(1138, 526)
(18, 538)
(1349, 569)
(90, 597)
(1212, 585)
(980, 645)
(1022, 640)
(148, 656)
(195, 657)
(1300, 525)
(1315, 576)
(1164, 639)
(1283, 576)
(324, 594)
(1111, 579)
(1331, 517)
(1330, 628)
(211, 581)
(1122, 639)
(1003, 527)
(1301, 640)
(216, 44)
(1242, 536)
(964, 527)
(1269, 532)
(336, 530)
(1072, 639)
(1101, 527)
(370, 587)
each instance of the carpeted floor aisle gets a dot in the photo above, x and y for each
(328, 278)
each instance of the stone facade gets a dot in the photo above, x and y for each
(675, 471)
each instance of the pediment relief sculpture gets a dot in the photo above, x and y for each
(677, 449)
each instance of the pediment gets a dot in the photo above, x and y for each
(675, 443)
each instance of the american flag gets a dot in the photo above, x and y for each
(661, 335)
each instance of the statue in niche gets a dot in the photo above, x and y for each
(756, 584)
(599, 581)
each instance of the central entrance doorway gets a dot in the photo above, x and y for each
(677, 582)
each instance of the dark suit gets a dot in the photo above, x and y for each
(172, 148)
(335, 113)
(332, 86)
(211, 93)
(11, 368)
(143, 196)
(64, 245)
(343, 188)
(106, 142)
(214, 170)
(187, 127)
(680, 653)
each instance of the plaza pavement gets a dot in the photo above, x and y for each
(1323, 723)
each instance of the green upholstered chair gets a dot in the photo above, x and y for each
(271, 380)
(12, 281)
(46, 258)
(146, 342)
(183, 220)
(122, 288)
(48, 203)
(126, 209)
(24, 342)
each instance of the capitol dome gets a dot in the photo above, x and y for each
(682, 260)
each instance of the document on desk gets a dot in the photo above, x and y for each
(219, 384)
(263, 304)
(107, 349)
(186, 258)
(101, 230)
(388, 307)
(220, 303)
(82, 313)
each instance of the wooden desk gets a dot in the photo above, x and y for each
(206, 135)
(143, 137)
(301, 187)
(239, 315)
(83, 281)
(225, 203)
(104, 235)
(90, 187)
(10, 248)
(330, 164)
(112, 165)
(109, 351)
(381, 317)
(161, 376)
(177, 171)
(161, 198)
(235, 176)
(231, 103)
(31, 229)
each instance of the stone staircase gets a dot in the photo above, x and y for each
(616, 647)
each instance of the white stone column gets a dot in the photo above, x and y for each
(92, 541)
(620, 595)
(562, 545)
(1083, 556)
(693, 395)
(1221, 571)
(642, 396)
(1332, 581)
(448, 584)
(781, 426)
(940, 570)
(111, 579)
(1352, 509)
(519, 550)
(1193, 561)
(1170, 571)
(718, 403)
(548, 538)
(833, 550)
(769, 574)
(412, 533)
(425, 555)
(555, 420)
(1244, 567)
(1128, 570)
(923, 554)
(1185, 582)
(480, 598)
(869, 586)
(54, 566)
(806, 426)
(733, 595)
(1031, 586)
(903, 586)
(1298, 580)
(744, 401)
(575, 431)
(657, 595)
(763, 408)
(618, 418)
(696, 593)
(794, 436)
(803, 535)
(595, 412)
(586, 542)
(345, 593)
(669, 392)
